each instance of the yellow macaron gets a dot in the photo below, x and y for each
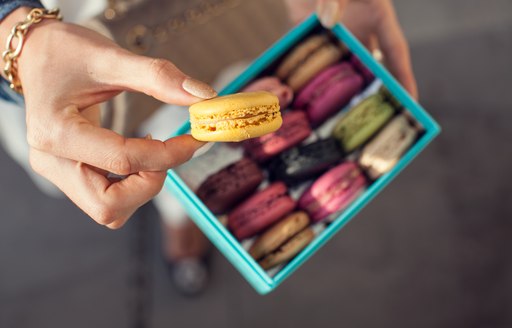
(235, 117)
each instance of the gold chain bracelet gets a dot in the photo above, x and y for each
(18, 32)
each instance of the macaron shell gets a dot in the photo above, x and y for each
(306, 161)
(326, 181)
(225, 188)
(288, 250)
(278, 234)
(340, 200)
(311, 90)
(260, 211)
(382, 153)
(334, 99)
(329, 92)
(362, 122)
(299, 54)
(295, 128)
(316, 62)
(273, 85)
(333, 191)
(227, 105)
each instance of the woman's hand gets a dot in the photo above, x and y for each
(66, 71)
(373, 22)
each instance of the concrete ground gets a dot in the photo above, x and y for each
(433, 250)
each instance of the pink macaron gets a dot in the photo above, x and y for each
(275, 86)
(294, 130)
(260, 211)
(333, 191)
(329, 92)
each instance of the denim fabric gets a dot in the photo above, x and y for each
(6, 7)
(6, 93)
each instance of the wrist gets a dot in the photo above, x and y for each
(6, 25)
(23, 20)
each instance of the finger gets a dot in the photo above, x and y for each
(108, 203)
(74, 137)
(330, 11)
(156, 77)
(396, 52)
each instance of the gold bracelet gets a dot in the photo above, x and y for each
(18, 32)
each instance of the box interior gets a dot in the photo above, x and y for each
(183, 180)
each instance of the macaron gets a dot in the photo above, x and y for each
(333, 191)
(329, 91)
(260, 211)
(362, 69)
(307, 59)
(224, 189)
(278, 234)
(288, 250)
(235, 117)
(294, 130)
(306, 161)
(384, 151)
(362, 122)
(273, 85)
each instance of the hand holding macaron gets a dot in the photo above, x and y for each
(66, 71)
(375, 24)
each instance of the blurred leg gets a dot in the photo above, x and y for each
(184, 247)
(13, 137)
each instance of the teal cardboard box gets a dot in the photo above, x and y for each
(179, 180)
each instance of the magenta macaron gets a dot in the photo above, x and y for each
(260, 211)
(329, 92)
(333, 191)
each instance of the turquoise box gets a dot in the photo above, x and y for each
(265, 281)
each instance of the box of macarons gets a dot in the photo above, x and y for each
(303, 139)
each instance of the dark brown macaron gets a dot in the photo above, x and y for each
(223, 190)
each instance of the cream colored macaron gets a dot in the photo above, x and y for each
(235, 117)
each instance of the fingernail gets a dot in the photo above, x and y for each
(203, 150)
(328, 12)
(377, 55)
(198, 88)
(148, 136)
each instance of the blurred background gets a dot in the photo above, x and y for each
(433, 250)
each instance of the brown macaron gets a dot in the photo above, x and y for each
(287, 251)
(282, 241)
(307, 59)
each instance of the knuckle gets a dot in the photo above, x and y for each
(116, 224)
(120, 164)
(160, 68)
(104, 215)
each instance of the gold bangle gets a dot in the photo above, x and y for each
(18, 32)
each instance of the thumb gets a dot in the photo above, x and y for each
(158, 78)
(329, 11)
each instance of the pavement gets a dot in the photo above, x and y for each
(433, 250)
